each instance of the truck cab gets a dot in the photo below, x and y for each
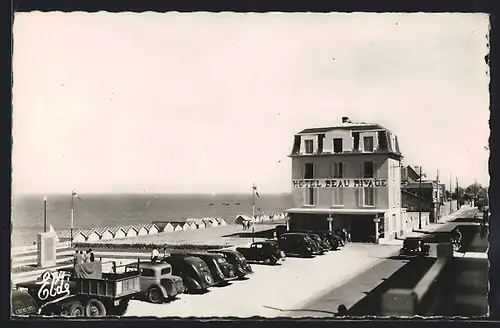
(157, 281)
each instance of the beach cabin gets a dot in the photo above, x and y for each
(152, 229)
(92, 235)
(118, 232)
(199, 223)
(214, 221)
(221, 222)
(141, 230)
(130, 231)
(191, 225)
(78, 237)
(163, 226)
(207, 223)
(177, 226)
(105, 233)
(64, 235)
(241, 218)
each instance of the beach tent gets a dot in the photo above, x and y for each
(241, 218)
(152, 229)
(79, 237)
(207, 222)
(214, 221)
(177, 226)
(92, 235)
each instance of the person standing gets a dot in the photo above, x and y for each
(91, 255)
(86, 257)
(78, 257)
(154, 255)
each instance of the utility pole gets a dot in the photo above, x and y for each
(420, 198)
(458, 197)
(253, 212)
(438, 196)
(45, 214)
(450, 196)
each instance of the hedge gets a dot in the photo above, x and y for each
(149, 246)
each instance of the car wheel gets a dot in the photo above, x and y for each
(76, 310)
(154, 295)
(95, 308)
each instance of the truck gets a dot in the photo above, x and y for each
(83, 291)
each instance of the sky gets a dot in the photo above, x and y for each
(209, 103)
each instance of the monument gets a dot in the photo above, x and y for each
(46, 249)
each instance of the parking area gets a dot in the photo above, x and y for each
(271, 291)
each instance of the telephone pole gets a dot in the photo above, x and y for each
(44, 214)
(438, 196)
(420, 198)
(451, 198)
(458, 197)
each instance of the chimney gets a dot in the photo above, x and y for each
(345, 119)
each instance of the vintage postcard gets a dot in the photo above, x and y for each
(237, 165)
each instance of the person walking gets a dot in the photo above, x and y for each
(78, 257)
(86, 257)
(91, 255)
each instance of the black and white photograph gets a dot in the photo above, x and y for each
(214, 165)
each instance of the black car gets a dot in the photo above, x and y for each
(414, 246)
(333, 240)
(237, 260)
(220, 269)
(193, 271)
(262, 251)
(321, 246)
(23, 303)
(296, 244)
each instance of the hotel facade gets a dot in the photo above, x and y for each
(347, 176)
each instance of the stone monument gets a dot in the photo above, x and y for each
(46, 249)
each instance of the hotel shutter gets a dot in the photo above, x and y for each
(355, 136)
(344, 170)
(296, 145)
(321, 138)
(382, 140)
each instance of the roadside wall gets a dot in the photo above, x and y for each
(445, 209)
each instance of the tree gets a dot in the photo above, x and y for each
(476, 191)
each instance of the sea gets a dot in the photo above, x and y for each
(100, 210)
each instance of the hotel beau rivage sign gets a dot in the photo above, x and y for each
(339, 183)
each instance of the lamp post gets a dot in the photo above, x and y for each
(45, 214)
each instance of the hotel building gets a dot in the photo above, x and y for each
(347, 176)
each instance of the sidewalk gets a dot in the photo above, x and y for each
(439, 224)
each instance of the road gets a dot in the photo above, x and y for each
(271, 290)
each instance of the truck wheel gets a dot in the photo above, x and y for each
(154, 295)
(76, 310)
(95, 308)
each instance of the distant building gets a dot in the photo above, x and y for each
(425, 196)
(208, 222)
(242, 218)
(130, 231)
(200, 224)
(91, 235)
(164, 226)
(141, 230)
(79, 237)
(347, 176)
(118, 232)
(105, 233)
(221, 222)
(177, 226)
(152, 229)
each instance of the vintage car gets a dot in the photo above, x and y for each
(221, 270)
(83, 291)
(296, 244)
(321, 242)
(193, 271)
(22, 303)
(414, 246)
(262, 251)
(237, 260)
(158, 284)
(334, 240)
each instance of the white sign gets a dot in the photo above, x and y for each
(53, 284)
(339, 183)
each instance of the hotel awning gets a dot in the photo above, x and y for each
(304, 210)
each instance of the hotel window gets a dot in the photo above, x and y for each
(338, 170)
(308, 171)
(309, 146)
(337, 145)
(368, 143)
(369, 196)
(368, 170)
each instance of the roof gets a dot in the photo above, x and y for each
(244, 217)
(416, 185)
(128, 227)
(345, 126)
(367, 211)
(196, 220)
(114, 230)
(100, 231)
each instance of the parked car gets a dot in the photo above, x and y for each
(22, 303)
(262, 251)
(318, 246)
(237, 260)
(295, 244)
(275, 243)
(193, 271)
(158, 284)
(316, 236)
(222, 272)
(414, 246)
(334, 241)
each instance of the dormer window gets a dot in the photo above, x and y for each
(309, 146)
(337, 145)
(368, 143)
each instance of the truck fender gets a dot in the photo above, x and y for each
(192, 283)
(163, 290)
(64, 299)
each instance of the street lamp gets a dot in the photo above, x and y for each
(45, 214)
